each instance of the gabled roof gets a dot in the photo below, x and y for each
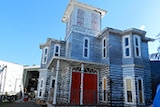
(73, 3)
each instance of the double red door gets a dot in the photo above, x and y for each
(89, 88)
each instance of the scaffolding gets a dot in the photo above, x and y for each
(156, 56)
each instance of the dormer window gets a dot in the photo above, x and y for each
(45, 54)
(104, 47)
(86, 47)
(126, 46)
(57, 50)
(80, 17)
(137, 48)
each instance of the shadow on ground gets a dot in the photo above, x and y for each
(19, 104)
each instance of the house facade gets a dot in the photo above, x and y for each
(93, 66)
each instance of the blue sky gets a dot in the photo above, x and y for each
(24, 24)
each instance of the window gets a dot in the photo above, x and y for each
(104, 47)
(80, 18)
(45, 54)
(140, 90)
(104, 88)
(137, 49)
(57, 50)
(40, 92)
(86, 47)
(94, 23)
(128, 90)
(126, 46)
(41, 83)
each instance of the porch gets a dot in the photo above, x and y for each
(76, 82)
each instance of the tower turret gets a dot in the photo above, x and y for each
(82, 18)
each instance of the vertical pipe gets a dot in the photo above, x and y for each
(81, 87)
(56, 82)
(70, 73)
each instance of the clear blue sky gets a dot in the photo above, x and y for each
(24, 24)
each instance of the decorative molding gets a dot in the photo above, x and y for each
(133, 65)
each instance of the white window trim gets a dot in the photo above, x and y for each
(45, 55)
(139, 46)
(41, 88)
(104, 47)
(88, 48)
(140, 78)
(125, 89)
(55, 49)
(103, 87)
(129, 46)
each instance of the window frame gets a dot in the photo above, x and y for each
(141, 79)
(45, 55)
(55, 48)
(84, 47)
(126, 47)
(104, 48)
(125, 89)
(137, 46)
(104, 89)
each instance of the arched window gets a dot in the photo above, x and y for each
(126, 47)
(56, 50)
(137, 47)
(140, 90)
(104, 47)
(86, 47)
(128, 85)
(45, 55)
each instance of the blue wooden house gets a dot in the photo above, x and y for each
(93, 65)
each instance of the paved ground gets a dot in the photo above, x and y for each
(19, 104)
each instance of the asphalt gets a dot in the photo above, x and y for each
(20, 104)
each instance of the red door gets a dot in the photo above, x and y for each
(90, 89)
(75, 88)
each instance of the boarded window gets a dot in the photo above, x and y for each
(80, 18)
(128, 85)
(140, 91)
(94, 21)
(104, 87)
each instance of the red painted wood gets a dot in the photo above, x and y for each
(75, 88)
(90, 89)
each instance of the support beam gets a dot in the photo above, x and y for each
(56, 82)
(81, 87)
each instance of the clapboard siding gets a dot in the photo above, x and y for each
(116, 83)
(77, 47)
(115, 49)
(64, 85)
